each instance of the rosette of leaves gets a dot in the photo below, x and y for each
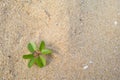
(37, 54)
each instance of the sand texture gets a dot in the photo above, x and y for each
(83, 34)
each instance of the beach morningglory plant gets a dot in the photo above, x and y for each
(37, 54)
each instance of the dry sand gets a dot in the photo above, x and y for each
(83, 34)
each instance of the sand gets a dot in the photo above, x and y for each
(83, 34)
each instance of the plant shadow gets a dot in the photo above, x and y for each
(50, 57)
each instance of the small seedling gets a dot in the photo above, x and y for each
(36, 56)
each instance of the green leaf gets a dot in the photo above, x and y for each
(46, 51)
(43, 60)
(42, 45)
(32, 47)
(39, 62)
(29, 56)
(31, 62)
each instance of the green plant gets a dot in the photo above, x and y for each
(36, 56)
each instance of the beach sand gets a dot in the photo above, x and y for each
(83, 34)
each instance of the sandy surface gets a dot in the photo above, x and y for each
(83, 34)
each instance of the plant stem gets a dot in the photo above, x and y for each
(36, 53)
